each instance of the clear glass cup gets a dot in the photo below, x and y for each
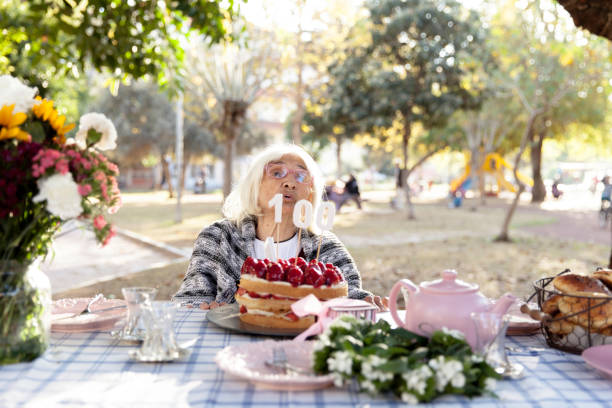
(160, 341)
(490, 343)
(137, 298)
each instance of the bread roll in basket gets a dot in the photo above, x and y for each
(575, 310)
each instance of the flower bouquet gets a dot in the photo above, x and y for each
(45, 179)
(411, 366)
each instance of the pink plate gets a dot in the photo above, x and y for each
(600, 358)
(66, 317)
(521, 324)
(247, 361)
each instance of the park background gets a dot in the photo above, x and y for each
(415, 91)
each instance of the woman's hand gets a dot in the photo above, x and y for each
(381, 302)
(212, 305)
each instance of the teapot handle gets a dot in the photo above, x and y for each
(406, 283)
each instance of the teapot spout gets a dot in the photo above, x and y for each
(502, 304)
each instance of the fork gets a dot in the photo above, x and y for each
(91, 302)
(279, 361)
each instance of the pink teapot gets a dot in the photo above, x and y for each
(446, 302)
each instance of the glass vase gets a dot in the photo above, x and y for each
(25, 312)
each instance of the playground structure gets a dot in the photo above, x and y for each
(493, 165)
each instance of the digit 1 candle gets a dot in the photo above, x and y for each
(277, 202)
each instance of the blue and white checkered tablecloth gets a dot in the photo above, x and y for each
(93, 370)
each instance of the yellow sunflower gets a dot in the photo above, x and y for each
(9, 124)
(45, 112)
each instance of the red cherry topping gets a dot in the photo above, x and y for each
(301, 262)
(243, 309)
(313, 276)
(331, 277)
(260, 268)
(275, 272)
(295, 276)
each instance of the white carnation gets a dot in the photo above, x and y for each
(15, 92)
(409, 398)
(340, 361)
(100, 123)
(62, 195)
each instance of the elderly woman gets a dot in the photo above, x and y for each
(214, 270)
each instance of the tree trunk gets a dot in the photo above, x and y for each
(339, 139)
(228, 165)
(234, 113)
(405, 147)
(296, 131)
(503, 235)
(186, 160)
(538, 193)
(166, 171)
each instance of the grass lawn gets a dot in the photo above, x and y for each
(386, 246)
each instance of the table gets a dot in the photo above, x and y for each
(93, 370)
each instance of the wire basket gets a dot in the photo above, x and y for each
(580, 322)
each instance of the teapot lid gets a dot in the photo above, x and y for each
(449, 284)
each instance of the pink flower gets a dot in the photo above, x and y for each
(111, 233)
(99, 222)
(61, 166)
(84, 189)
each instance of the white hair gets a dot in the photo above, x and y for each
(243, 200)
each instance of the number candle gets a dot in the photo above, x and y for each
(302, 218)
(277, 202)
(325, 220)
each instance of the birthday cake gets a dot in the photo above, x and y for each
(267, 290)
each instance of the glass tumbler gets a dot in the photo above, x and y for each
(137, 298)
(160, 341)
(490, 343)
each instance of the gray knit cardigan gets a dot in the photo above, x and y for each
(221, 248)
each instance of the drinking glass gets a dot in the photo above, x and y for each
(160, 341)
(137, 298)
(490, 343)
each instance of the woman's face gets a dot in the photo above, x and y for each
(289, 177)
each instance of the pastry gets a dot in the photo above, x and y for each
(580, 285)
(605, 276)
(268, 289)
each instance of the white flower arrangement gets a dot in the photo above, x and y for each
(412, 367)
(62, 195)
(98, 122)
(17, 93)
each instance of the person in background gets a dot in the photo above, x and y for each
(607, 192)
(556, 192)
(352, 189)
(220, 249)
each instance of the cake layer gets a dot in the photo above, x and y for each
(254, 284)
(268, 305)
(276, 321)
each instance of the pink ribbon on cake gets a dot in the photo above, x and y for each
(310, 305)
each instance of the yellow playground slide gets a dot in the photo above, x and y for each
(493, 164)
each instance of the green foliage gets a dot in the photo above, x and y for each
(22, 328)
(133, 38)
(396, 360)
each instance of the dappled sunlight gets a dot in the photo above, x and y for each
(496, 267)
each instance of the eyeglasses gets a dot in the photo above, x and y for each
(280, 171)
